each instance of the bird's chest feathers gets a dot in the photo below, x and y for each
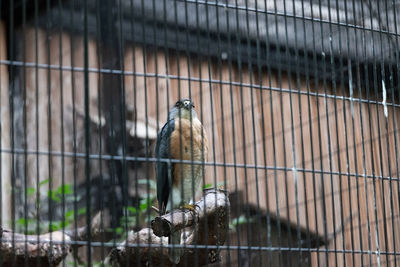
(188, 142)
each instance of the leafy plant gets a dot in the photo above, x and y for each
(219, 185)
(242, 219)
(31, 225)
(134, 216)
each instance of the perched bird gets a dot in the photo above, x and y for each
(182, 138)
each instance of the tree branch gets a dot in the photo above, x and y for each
(208, 224)
(47, 249)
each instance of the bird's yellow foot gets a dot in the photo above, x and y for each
(187, 206)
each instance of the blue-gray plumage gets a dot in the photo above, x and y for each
(164, 169)
(182, 137)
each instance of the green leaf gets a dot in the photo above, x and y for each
(65, 189)
(69, 214)
(53, 196)
(63, 224)
(72, 198)
(54, 226)
(144, 204)
(20, 222)
(44, 181)
(81, 211)
(206, 186)
(30, 191)
(239, 220)
(131, 209)
(119, 230)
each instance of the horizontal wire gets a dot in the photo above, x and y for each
(219, 164)
(283, 14)
(192, 79)
(222, 247)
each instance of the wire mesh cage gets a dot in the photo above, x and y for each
(226, 132)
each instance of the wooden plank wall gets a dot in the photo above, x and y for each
(313, 160)
(325, 156)
(5, 159)
(55, 113)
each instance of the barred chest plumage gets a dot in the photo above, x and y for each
(189, 143)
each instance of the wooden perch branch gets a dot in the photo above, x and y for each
(46, 249)
(208, 224)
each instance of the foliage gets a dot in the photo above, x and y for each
(34, 225)
(220, 185)
(242, 219)
(137, 216)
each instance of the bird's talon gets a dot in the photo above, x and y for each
(186, 206)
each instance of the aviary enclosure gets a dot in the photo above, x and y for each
(299, 100)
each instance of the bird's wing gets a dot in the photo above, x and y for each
(163, 169)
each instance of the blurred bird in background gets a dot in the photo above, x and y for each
(182, 138)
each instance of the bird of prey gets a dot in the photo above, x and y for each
(181, 138)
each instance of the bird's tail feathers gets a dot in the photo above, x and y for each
(175, 253)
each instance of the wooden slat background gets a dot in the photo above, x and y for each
(313, 160)
(345, 147)
(5, 129)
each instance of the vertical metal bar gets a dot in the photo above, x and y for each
(307, 76)
(233, 125)
(384, 95)
(334, 85)
(229, 63)
(376, 70)
(280, 86)
(135, 103)
(386, 37)
(181, 175)
(250, 73)
(87, 132)
(74, 129)
(319, 143)
(37, 127)
(324, 80)
(263, 124)
(11, 36)
(349, 67)
(313, 160)
(156, 71)
(60, 47)
(144, 61)
(395, 118)
(260, 81)
(200, 62)
(278, 219)
(122, 115)
(363, 141)
(391, 88)
(366, 73)
(209, 74)
(24, 115)
(99, 129)
(293, 137)
(242, 111)
(49, 120)
(188, 64)
(1, 133)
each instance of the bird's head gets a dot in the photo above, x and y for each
(183, 108)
